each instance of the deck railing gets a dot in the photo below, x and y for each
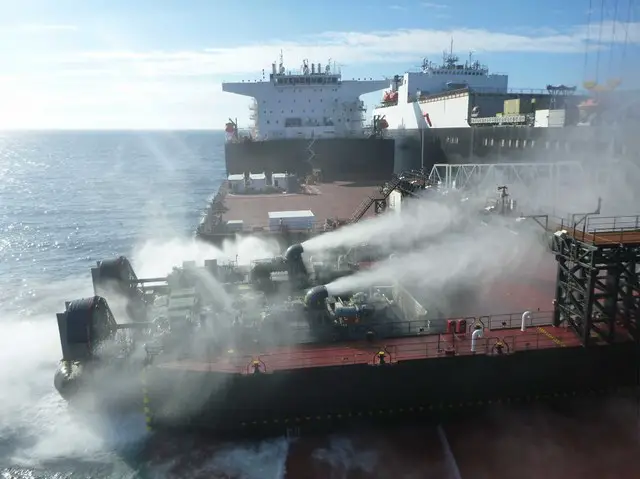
(431, 346)
(599, 230)
(420, 340)
(262, 228)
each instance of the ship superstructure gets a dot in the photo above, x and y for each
(462, 113)
(462, 95)
(402, 105)
(306, 120)
(312, 102)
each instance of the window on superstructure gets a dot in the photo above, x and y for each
(292, 122)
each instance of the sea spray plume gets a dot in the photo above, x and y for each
(574, 189)
(215, 335)
(344, 458)
(480, 253)
(597, 173)
(198, 456)
(419, 218)
(35, 423)
(158, 257)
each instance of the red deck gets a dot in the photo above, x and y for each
(325, 200)
(399, 349)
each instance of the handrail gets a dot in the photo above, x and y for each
(602, 230)
(417, 327)
(412, 340)
(613, 223)
(363, 353)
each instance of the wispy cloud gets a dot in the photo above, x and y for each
(124, 87)
(438, 6)
(353, 48)
(37, 28)
(397, 7)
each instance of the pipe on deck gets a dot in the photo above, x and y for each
(526, 316)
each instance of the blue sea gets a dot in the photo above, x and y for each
(68, 199)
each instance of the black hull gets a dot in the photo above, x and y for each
(510, 144)
(272, 402)
(339, 159)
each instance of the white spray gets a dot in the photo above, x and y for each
(418, 220)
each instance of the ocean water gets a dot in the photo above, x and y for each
(69, 199)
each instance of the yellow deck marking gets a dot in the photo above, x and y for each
(551, 336)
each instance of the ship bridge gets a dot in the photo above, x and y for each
(312, 102)
(445, 87)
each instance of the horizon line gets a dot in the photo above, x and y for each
(95, 130)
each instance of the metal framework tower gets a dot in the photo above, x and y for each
(598, 287)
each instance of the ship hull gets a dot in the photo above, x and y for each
(338, 159)
(322, 397)
(415, 148)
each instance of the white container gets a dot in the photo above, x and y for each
(236, 183)
(292, 220)
(235, 225)
(257, 181)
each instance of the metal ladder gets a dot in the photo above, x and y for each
(367, 202)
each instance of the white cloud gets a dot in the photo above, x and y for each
(37, 28)
(151, 88)
(346, 47)
(439, 6)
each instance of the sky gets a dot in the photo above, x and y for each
(159, 64)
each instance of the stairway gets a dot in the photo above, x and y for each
(398, 182)
(362, 209)
(367, 202)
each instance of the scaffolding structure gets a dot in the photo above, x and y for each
(597, 287)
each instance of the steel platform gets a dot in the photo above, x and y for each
(603, 230)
